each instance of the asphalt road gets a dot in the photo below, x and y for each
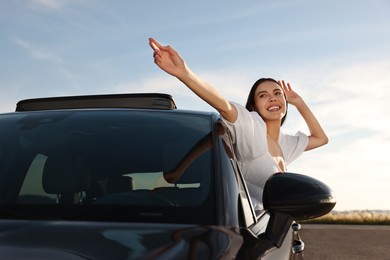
(346, 242)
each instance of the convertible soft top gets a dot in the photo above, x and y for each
(137, 100)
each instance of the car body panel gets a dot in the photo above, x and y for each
(106, 240)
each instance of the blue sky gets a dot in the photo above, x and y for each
(336, 54)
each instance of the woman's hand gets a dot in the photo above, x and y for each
(168, 59)
(317, 135)
(292, 97)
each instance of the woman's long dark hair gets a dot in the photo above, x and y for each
(250, 103)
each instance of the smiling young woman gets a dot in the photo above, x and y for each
(260, 146)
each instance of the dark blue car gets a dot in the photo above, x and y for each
(132, 177)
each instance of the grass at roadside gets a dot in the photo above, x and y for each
(364, 217)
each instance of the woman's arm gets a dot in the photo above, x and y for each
(317, 136)
(197, 150)
(171, 62)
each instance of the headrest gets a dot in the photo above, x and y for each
(119, 184)
(65, 173)
(196, 172)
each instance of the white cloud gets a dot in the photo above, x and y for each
(37, 53)
(353, 106)
(52, 5)
(358, 97)
(355, 170)
(346, 97)
(48, 4)
(230, 87)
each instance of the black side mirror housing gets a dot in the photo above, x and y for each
(300, 196)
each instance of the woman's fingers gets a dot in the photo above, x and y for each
(282, 84)
(154, 44)
(157, 50)
(286, 87)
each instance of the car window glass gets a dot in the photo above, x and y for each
(32, 190)
(246, 202)
(248, 217)
(108, 158)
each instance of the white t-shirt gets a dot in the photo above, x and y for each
(249, 134)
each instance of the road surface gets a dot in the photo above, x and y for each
(346, 242)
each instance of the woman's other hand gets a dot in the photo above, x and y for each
(292, 97)
(317, 135)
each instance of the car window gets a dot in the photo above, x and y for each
(99, 158)
(245, 204)
(32, 190)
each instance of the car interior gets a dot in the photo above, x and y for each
(74, 159)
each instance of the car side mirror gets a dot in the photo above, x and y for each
(300, 196)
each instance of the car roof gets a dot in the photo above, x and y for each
(134, 100)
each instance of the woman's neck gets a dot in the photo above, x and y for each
(273, 130)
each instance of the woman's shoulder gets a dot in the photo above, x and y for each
(245, 114)
(246, 120)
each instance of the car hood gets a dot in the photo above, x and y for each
(102, 240)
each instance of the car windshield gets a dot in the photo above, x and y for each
(104, 164)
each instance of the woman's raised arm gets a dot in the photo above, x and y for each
(317, 136)
(171, 62)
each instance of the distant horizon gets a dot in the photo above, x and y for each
(364, 210)
(354, 217)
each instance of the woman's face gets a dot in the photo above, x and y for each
(270, 102)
